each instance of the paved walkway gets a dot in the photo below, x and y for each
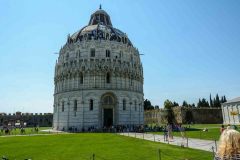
(205, 145)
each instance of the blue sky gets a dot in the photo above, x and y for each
(191, 48)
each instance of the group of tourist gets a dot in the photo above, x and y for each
(167, 130)
(117, 128)
(13, 130)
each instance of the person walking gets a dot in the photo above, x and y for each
(222, 129)
(169, 129)
(165, 134)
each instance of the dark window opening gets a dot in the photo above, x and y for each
(62, 106)
(91, 105)
(124, 104)
(92, 52)
(107, 53)
(81, 79)
(135, 104)
(108, 78)
(75, 105)
(102, 18)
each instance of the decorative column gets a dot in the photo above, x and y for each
(58, 115)
(139, 114)
(82, 113)
(228, 115)
(130, 113)
(68, 114)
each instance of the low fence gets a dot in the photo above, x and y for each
(210, 145)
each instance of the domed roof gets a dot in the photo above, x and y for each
(100, 27)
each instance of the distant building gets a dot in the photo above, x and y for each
(231, 111)
(98, 78)
(26, 119)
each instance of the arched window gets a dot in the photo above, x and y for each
(62, 106)
(108, 53)
(108, 100)
(90, 104)
(135, 105)
(108, 78)
(81, 78)
(92, 52)
(124, 104)
(75, 106)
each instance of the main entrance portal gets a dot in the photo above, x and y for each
(108, 101)
(108, 117)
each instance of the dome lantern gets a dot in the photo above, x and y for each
(100, 17)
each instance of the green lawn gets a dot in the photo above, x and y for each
(82, 146)
(196, 131)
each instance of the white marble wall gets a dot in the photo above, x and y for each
(87, 118)
(126, 82)
(227, 108)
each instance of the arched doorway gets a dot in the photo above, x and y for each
(108, 109)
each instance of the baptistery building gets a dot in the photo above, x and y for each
(98, 78)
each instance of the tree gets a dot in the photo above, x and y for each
(211, 102)
(168, 105)
(214, 102)
(175, 104)
(185, 104)
(203, 103)
(217, 102)
(147, 105)
(199, 103)
(156, 107)
(224, 99)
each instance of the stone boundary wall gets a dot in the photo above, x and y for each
(185, 115)
(32, 119)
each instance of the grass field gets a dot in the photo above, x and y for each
(82, 146)
(196, 131)
(27, 131)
